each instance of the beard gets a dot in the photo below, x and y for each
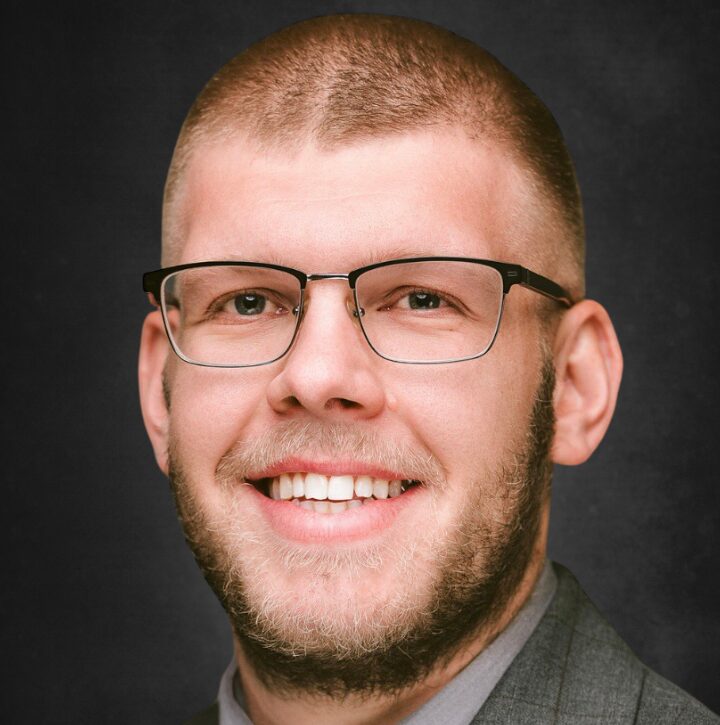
(376, 620)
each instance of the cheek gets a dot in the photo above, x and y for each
(471, 415)
(210, 408)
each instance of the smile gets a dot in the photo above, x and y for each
(331, 494)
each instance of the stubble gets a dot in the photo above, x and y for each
(455, 586)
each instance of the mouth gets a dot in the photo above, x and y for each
(331, 494)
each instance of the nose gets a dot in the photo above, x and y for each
(330, 372)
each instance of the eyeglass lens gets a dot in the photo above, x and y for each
(411, 312)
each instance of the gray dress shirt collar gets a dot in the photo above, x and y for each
(460, 700)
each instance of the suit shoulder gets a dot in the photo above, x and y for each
(658, 701)
(210, 716)
(576, 668)
(617, 672)
(662, 703)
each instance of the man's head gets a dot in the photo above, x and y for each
(342, 80)
(332, 145)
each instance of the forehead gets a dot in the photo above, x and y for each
(429, 193)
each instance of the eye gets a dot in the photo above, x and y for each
(420, 300)
(248, 303)
(416, 299)
(244, 305)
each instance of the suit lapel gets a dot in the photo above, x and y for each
(574, 668)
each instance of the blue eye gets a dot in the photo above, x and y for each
(249, 304)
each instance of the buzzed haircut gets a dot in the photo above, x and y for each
(344, 79)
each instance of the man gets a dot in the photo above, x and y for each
(360, 451)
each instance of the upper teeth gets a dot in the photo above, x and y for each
(289, 486)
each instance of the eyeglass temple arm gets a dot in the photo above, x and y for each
(151, 285)
(544, 286)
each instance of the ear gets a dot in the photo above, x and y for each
(154, 349)
(588, 369)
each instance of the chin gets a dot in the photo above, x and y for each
(314, 597)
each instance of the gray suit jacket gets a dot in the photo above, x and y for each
(575, 670)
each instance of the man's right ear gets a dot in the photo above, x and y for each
(154, 351)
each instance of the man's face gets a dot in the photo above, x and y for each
(332, 586)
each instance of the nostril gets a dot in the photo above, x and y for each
(343, 403)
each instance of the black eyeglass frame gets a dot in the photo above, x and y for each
(511, 275)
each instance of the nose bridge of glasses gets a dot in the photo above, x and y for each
(322, 277)
(328, 275)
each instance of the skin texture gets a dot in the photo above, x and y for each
(331, 212)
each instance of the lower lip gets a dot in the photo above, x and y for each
(309, 527)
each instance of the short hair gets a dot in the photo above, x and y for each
(344, 79)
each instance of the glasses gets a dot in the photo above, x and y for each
(422, 310)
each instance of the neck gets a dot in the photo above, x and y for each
(266, 707)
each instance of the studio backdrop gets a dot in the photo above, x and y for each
(105, 615)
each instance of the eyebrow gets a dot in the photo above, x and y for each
(400, 251)
(405, 250)
(366, 257)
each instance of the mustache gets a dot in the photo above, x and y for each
(327, 440)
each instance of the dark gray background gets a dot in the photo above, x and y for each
(105, 616)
